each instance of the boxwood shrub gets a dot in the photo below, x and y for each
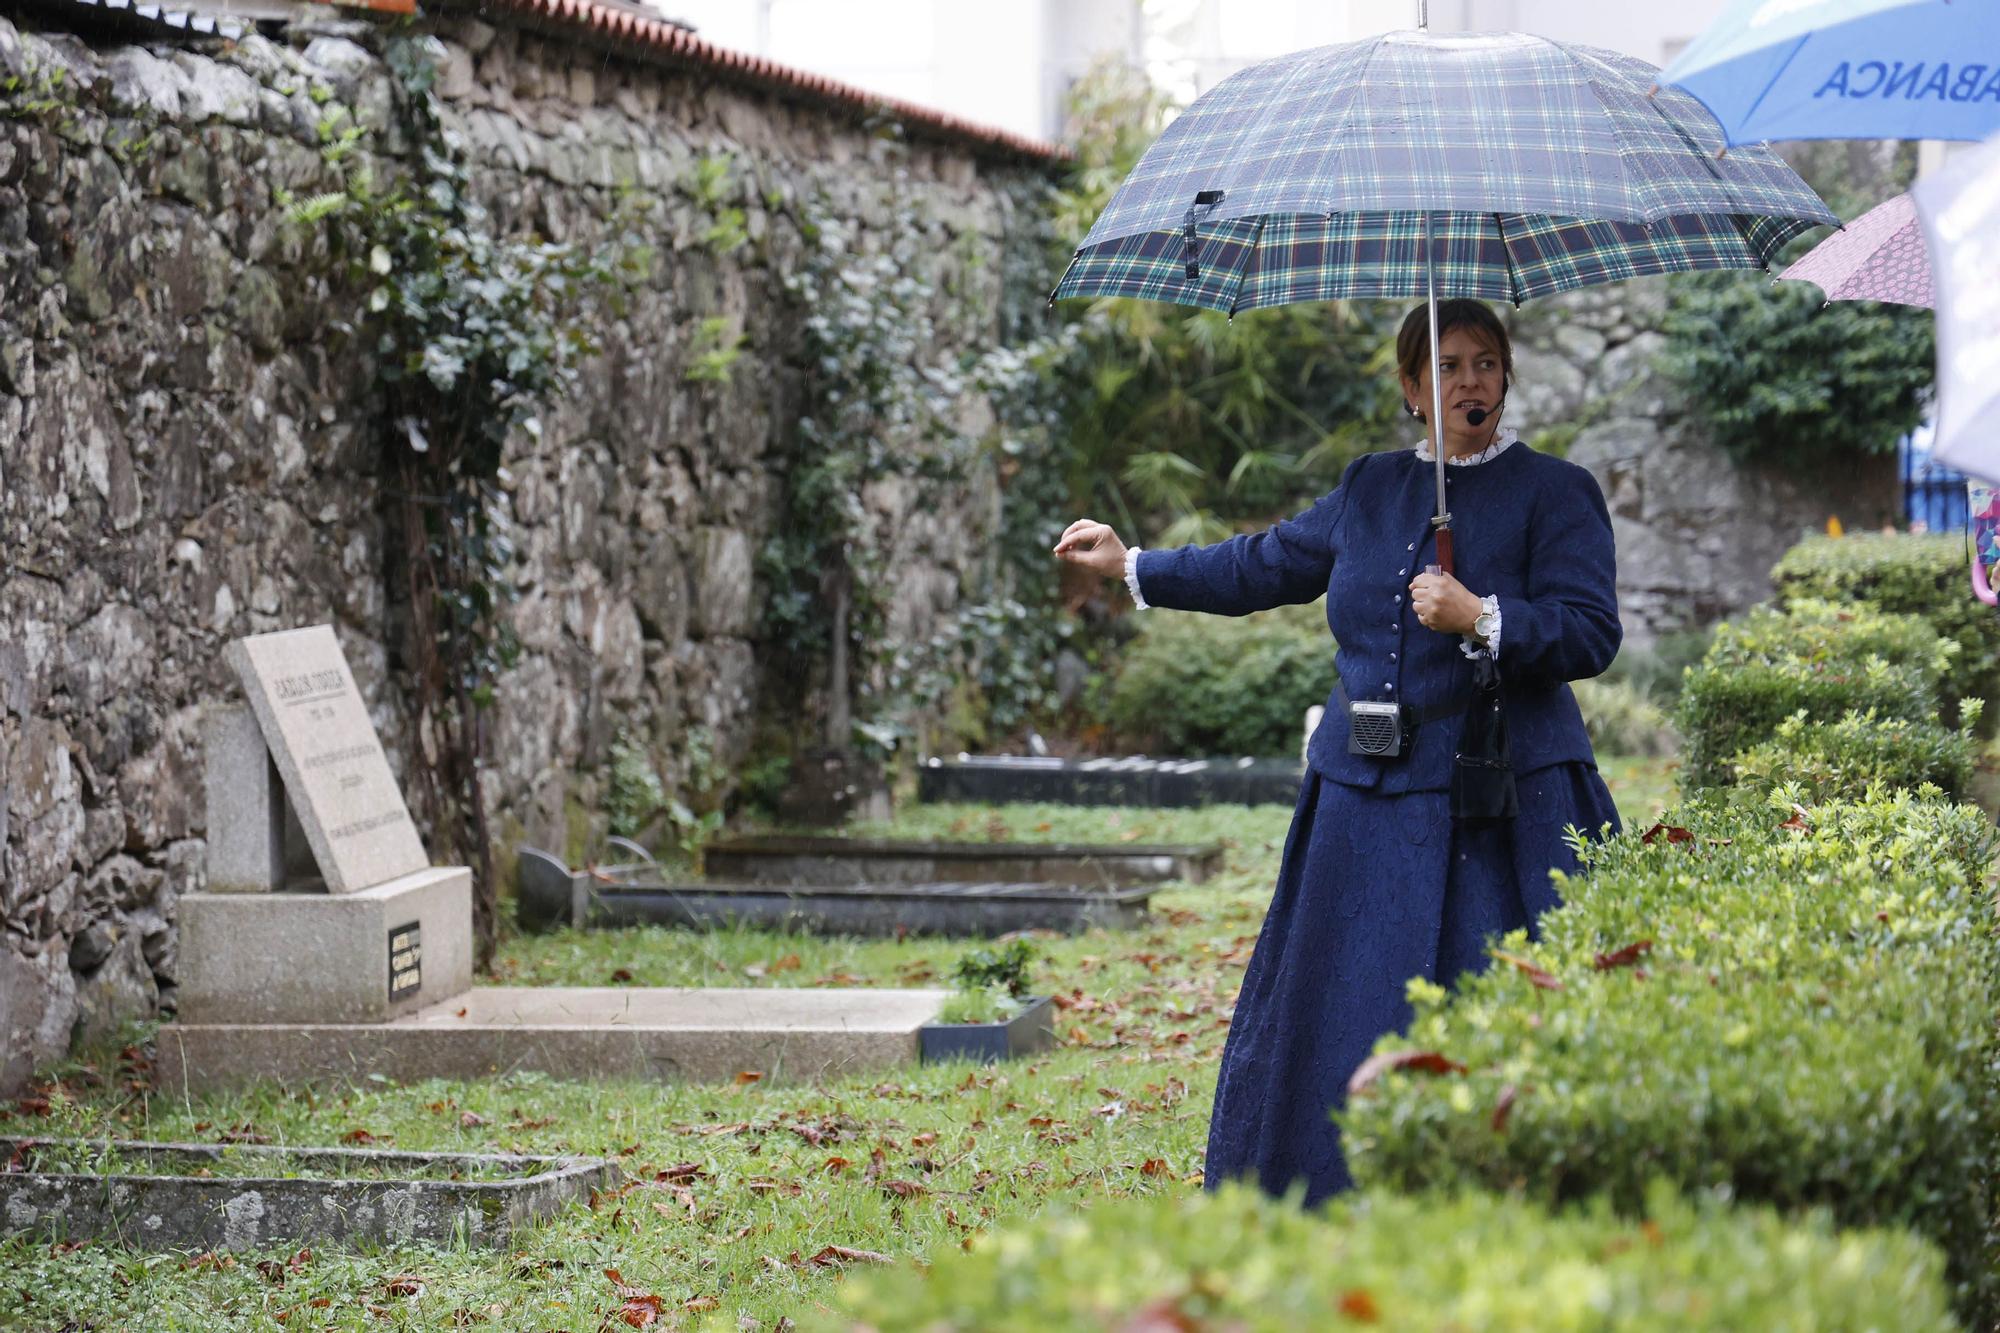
(1795, 1005)
(1223, 685)
(1831, 760)
(1238, 1260)
(1815, 657)
(1921, 575)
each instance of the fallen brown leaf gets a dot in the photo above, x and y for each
(1528, 968)
(1502, 1107)
(1429, 1062)
(1624, 957)
(1359, 1306)
(832, 1256)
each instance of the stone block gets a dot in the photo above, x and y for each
(193, 1196)
(589, 1034)
(246, 805)
(324, 958)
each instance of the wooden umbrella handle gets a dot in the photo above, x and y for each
(1444, 561)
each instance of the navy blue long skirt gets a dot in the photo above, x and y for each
(1373, 890)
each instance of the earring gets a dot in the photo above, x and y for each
(1411, 408)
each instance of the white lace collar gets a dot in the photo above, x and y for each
(1503, 437)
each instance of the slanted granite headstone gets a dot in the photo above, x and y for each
(325, 747)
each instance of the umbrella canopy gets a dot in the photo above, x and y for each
(1880, 256)
(1960, 207)
(1542, 166)
(1847, 69)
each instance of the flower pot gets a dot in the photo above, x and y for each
(1033, 1029)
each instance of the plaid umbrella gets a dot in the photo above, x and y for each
(1309, 178)
(1531, 166)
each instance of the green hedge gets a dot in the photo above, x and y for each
(1815, 657)
(1921, 575)
(1237, 1260)
(1802, 1013)
(1223, 685)
(1842, 760)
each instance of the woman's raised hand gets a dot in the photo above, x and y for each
(1093, 545)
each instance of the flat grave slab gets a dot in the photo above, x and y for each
(146, 1195)
(1160, 783)
(666, 1034)
(551, 894)
(788, 859)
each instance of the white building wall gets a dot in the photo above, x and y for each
(1009, 63)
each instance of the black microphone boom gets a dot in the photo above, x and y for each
(1476, 417)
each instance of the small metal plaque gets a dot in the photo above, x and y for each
(406, 961)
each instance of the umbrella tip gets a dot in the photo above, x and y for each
(1653, 92)
(1722, 152)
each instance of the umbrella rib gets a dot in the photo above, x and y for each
(1514, 285)
(1250, 257)
(1790, 56)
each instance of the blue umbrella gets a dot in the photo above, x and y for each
(1847, 69)
(1494, 165)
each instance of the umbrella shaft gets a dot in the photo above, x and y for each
(1443, 519)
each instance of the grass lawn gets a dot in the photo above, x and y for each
(748, 1200)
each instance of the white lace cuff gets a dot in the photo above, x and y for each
(1474, 645)
(1132, 577)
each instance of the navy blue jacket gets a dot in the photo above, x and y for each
(1527, 527)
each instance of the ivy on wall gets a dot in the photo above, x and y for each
(470, 334)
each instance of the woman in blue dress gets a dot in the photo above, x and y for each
(1379, 882)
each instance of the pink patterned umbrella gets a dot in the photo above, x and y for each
(1880, 256)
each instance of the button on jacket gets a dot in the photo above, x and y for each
(1528, 528)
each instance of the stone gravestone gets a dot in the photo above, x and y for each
(326, 948)
(362, 929)
(329, 757)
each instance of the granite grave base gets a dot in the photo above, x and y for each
(551, 894)
(257, 1197)
(323, 957)
(591, 1034)
(1030, 1031)
(1159, 783)
(782, 859)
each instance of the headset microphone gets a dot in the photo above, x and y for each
(1479, 416)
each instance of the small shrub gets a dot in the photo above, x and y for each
(985, 1004)
(1794, 1005)
(1621, 720)
(1817, 658)
(1726, 710)
(1005, 966)
(1842, 760)
(1915, 574)
(1238, 1260)
(1223, 685)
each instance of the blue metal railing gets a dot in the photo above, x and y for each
(1933, 494)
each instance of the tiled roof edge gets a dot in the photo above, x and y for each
(656, 38)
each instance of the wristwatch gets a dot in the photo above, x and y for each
(1488, 621)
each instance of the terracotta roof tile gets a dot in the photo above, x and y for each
(661, 39)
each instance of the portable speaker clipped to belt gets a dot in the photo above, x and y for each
(1379, 730)
(1385, 730)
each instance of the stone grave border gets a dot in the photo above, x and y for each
(256, 1212)
(549, 894)
(1161, 783)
